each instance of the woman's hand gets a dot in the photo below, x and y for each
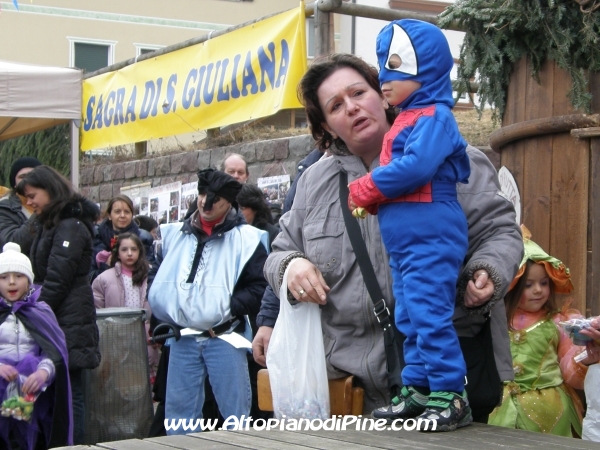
(593, 331)
(8, 372)
(592, 347)
(593, 354)
(479, 290)
(306, 283)
(35, 381)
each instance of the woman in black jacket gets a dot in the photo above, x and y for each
(119, 219)
(61, 256)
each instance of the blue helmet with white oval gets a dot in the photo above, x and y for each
(411, 49)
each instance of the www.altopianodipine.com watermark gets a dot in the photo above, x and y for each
(334, 423)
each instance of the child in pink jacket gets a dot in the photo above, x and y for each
(125, 283)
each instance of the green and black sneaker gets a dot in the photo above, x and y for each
(408, 405)
(445, 411)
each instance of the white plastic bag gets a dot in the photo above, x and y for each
(591, 421)
(296, 362)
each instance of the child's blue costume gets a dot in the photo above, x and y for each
(414, 191)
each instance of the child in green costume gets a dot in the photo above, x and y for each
(541, 398)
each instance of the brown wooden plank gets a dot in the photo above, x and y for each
(582, 133)
(570, 190)
(474, 437)
(389, 439)
(341, 394)
(133, 444)
(194, 441)
(593, 245)
(79, 447)
(327, 440)
(514, 111)
(512, 154)
(253, 440)
(263, 387)
(537, 157)
(512, 438)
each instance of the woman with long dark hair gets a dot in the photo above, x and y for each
(256, 211)
(61, 256)
(119, 219)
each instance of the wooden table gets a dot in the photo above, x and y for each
(474, 437)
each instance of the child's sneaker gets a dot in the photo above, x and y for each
(409, 404)
(448, 410)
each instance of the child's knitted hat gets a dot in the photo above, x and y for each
(556, 270)
(12, 260)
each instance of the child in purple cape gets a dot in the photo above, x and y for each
(32, 345)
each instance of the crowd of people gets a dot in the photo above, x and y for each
(447, 253)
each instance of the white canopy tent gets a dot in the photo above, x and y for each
(33, 98)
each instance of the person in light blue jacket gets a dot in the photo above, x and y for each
(209, 278)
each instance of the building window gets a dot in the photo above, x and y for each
(142, 49)
(91, 55)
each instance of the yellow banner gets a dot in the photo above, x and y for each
(245, 74)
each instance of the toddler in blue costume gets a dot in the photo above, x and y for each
(422, 224)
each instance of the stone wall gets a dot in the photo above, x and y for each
(100, 183)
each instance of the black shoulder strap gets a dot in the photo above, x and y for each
(362, 256)
(382, 313)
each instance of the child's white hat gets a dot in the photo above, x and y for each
(12, 260)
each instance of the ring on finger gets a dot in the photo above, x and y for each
(301, 292)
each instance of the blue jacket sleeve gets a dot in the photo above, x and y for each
(269, 309)
(251, 285)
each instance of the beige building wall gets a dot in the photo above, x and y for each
(41, 32)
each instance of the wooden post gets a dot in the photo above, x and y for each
(74, 135)
(552, 170)
(324, 41)
(593, 245)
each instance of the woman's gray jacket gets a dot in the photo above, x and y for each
(353, 338)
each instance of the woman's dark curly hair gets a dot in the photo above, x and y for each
(140, 268)
(252, 197)
(60, 192)
(145, 222)
(318, 72)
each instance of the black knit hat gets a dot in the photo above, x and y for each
(214, 183)
(21, 163)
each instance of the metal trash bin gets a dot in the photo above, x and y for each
(118, 398)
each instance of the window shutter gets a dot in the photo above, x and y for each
(90, 57)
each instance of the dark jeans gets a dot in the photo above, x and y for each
(76, 376)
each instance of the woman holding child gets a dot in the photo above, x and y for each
(349, 116)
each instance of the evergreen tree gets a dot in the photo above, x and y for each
(50, 146)
(500, 32)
